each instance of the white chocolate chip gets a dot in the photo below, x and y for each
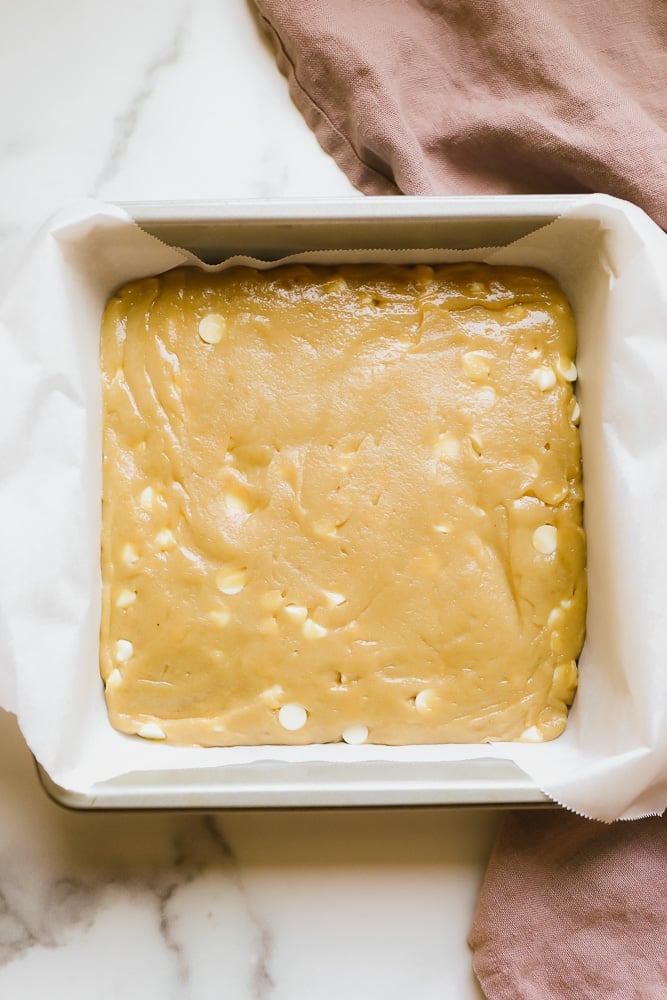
(338, 284)
(556, 643)
(270, 600)
(125, 598)
(231, 581)
(568, 369)
(447, 446)
(151, 731)
(544, 378)
(554, 493)
(165, 539)
(267, 626)
(355, 735)
(324, 529)
(220, 616)
(115, 679)
(237, 502)
(476, 364)
(516, 312)
(565, 676)
(333, 599)
(575, 411)
(556, 617)
(532, 466)
(146, 499)
(311, 630)
(486, 394)
(545, 539)
(124, 650)
(425, 701)
(532, 735)
(273, 696)
(292, 716)
(296, 613)
(212, 328)
(129, 555)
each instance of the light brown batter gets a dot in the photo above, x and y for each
(341, 503)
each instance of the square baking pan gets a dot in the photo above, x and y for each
(271, 230)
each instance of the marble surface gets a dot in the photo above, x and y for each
(182, 99)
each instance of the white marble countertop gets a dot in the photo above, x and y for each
(149, 99)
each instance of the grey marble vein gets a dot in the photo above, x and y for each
(191, 859)
(37, 910)
(168, 935)
(16, 935)
(263, 983)
(69, 900)
(126, 124)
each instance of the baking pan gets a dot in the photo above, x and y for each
(270, 230)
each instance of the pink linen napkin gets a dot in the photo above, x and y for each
(483, 96)
(572, 908)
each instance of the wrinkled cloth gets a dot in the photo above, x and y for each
(573, 908)
(483, 96)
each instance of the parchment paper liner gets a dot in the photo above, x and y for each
(611, 261)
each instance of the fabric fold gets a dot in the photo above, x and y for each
(493, 97)
(573, 908)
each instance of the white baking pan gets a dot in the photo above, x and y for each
(214, 231)
(491, 783)
(351, 777)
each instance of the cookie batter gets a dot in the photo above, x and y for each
(341, 503)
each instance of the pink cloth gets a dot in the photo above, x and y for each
(483, 96)
(572, 908)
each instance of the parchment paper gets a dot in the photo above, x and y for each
(612, 262)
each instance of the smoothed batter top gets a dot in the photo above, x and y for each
(341, 503)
